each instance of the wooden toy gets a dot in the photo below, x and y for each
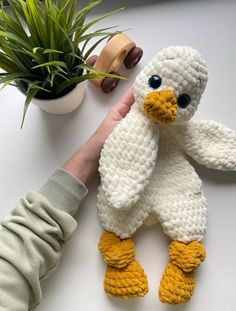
(120, 49)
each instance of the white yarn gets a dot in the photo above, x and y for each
(131, 150)
(209, 143)
(173, 196)
(182, 69)
(137, 186)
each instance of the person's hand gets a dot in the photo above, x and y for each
(84, 163)
(114, 116)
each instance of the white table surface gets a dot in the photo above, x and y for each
(30, 155)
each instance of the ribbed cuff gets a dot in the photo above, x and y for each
(64, 191)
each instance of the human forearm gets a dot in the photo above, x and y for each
(32, 239)
(83, 163)
(31, 244)
(33, 235)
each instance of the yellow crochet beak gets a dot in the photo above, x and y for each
(161, 106)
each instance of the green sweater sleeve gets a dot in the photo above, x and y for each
(32, 239)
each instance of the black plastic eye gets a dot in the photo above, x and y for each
(154, 82)
(183, 101)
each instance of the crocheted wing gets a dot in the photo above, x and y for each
(209, 143)
(128, 159)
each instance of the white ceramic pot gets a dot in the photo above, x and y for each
(64, 104)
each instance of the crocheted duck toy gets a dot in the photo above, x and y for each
(146, 177)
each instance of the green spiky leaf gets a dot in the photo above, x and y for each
(44, 45)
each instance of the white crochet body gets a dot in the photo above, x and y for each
(145, 175)
(173, 196)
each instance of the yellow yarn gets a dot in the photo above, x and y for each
(161, 106)
(117, 253)
(177, 283)
(129, 282)
(124, 277)
(187, 256)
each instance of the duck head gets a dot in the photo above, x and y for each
(170, 87)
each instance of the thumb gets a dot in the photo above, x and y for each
(125, 103)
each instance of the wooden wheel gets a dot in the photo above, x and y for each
(133, 57)
(92, 60)
(109, 84)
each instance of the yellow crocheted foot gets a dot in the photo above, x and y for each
(176, 286)
(187, 256)
(117, 253)
(177, 283)
(124, 277)
(129, 282)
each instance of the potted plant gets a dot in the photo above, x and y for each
(43, 51)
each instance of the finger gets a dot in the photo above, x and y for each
(125, 103)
